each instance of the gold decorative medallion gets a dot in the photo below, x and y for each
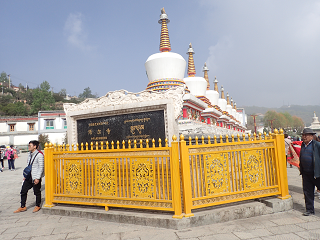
(74, 177)
(106, 177)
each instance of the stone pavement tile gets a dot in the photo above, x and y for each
(8, 236)
(285, 229)
(222, 236)
(251, 224)
(226, 228)
(51, 237)
(150, 235)
(310, 225)
(287, 221)
(67, 229)
(35, 232)
(86, 235)
(260, 232)
(194, 232)
(288, 236)
(311, 234)
(305, 218)
(16, 230)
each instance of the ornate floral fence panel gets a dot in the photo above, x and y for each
(123, 177)
(217, 173)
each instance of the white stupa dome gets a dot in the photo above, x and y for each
(196, 85)
(213, 96)
(165, 65)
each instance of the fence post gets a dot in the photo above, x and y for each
(282, 164)
(186, 180)
(48, 174)
(176, 190)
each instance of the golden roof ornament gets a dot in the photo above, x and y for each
(235, 105)
(205, 69)
(165, 45)
(222, 92)
(228, 100)
(231, 102)
(216, 84)
(191, 67)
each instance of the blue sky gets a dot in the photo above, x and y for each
(264, 53)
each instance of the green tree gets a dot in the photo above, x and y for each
(63, 92)
(15, 109)
(43, 139)
(4, 79)
(42, 98)
(87, 94)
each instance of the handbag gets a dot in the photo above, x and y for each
(28, 169)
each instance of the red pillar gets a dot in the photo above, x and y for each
(185, 113)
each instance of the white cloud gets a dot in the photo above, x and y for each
(75, 33)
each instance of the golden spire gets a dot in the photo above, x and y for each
(231, 102)
(222, 92)
(191, 68)
(228, 100)
(165, 45)
(235, 105)
(205, 69)
(216, 84)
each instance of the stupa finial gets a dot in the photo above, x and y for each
(205, 69)
(165, 45)
(228, 99)
(216, 84)
(222, 92)
(191, 67)
(231, 102)
(235, 105)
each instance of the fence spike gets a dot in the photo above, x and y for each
(238, 137)
(97, 145)
(209, 142)
(101, 145)
(135, 143)
(77, 146)
(227, 138)
(129, 144)
(215, 139)
(112, 144)
(260, 136)
(166, 141)
(107, 144)
(67, 147)
(221, 140)
(174, 138)
(243, 137)
(159, 141)
(181, 137)
(147, 143)
(87, 148)
(123, 144)
(72, 147)
(118, 144)
(190, 141)
(249, 136)
(202, 140)
(141, 145)
(91, 146)
(153, 143)
(232, 138)
(196, 140)
(276, 131)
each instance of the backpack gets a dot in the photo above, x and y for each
(11, 155)
(28, 169)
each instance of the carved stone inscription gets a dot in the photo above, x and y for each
(144, 125)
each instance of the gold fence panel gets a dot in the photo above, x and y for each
(219, 173)
(138, 177)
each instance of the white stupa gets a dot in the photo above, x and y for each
(165, 69)
(196, 85)
(222, 102)
(212, 95)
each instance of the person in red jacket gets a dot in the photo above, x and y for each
(10, 156)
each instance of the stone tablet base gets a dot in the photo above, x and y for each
(204, 216)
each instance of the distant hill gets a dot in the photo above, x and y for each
(304, 112)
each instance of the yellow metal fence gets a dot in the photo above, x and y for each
(149, 177)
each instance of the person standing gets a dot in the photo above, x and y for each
(287, 143)
(10, 156)
(1, 159)
(36, 160)
(309, 168)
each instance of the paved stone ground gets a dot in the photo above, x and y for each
(39, 226)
